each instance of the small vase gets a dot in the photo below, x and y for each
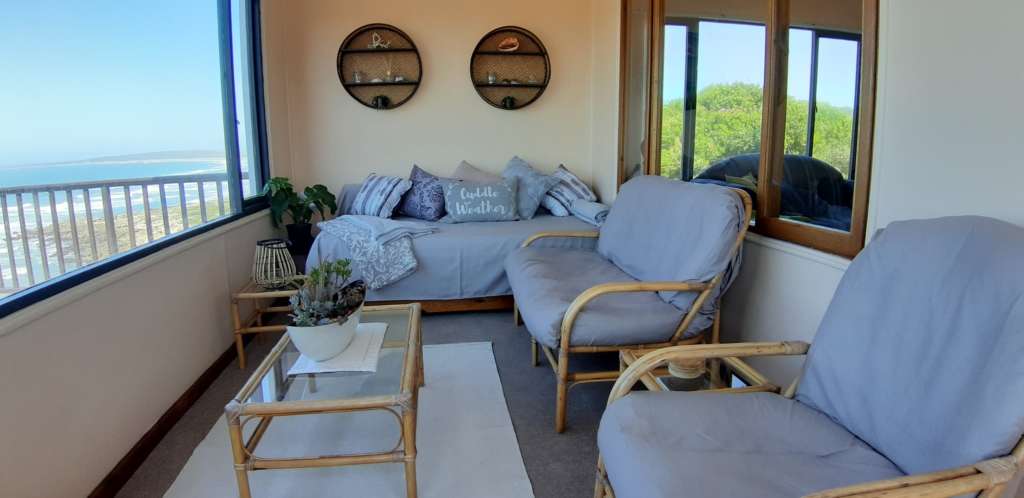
(301, 236)
(323, 342)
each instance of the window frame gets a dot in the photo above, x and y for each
(768, 222)
(242, 207)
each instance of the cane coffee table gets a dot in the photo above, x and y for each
(271, 393)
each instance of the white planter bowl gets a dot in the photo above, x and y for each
(323, 342)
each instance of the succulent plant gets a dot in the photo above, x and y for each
(327, 296)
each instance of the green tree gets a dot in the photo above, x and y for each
(729, 123)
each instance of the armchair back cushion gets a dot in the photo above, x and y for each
(921, 353)
(660, 229)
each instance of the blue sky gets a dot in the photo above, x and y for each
(103, 77)
(730, 53)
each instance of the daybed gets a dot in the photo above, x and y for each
(462, 262)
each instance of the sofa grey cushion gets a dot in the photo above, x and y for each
(920, 352)
(660, 445)
(380, 195)
(465, 201)
(661, 229)
(546, 280)
(425, 200)
(469, 173)
(533, 186)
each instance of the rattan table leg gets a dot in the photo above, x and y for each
(409, 442)
(239, 344)
(238, 452)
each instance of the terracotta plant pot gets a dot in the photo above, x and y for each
(323, 342)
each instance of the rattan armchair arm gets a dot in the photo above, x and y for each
(989, 476)
(570, 233)
(655, 359)
(577, 305)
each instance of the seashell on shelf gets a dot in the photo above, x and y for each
(510, 44)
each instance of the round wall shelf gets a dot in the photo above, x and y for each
(510, 68)
(379, 66)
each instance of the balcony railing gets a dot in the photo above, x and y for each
(49, 230)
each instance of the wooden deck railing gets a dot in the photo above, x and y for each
(49, 230)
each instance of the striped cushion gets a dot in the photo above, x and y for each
(568, 189)
(554, 206)
(379, 195)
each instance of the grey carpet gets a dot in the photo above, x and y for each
(559, 465)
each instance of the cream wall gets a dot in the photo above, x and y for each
(325, 136)
(84, 375)
(947, 142)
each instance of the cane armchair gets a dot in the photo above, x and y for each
(664, 257)
(913, 387)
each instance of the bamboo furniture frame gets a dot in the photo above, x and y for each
(401, 404)
(988, 477)
(560, 366)
(263, 303)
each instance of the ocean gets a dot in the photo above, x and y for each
(43, 174)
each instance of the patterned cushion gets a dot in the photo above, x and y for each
(425, 200)
(568, 189)
(469, 173)
(467, 201)
(379, 195)
(533, 185)
(554, 206)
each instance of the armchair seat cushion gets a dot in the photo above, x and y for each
(546, 280)
(702, 444)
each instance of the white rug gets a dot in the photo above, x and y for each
(465, 440)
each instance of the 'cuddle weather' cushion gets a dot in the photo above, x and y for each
(533, 185)
(469, 173)
(569, 188)
(379, 195)
(467, 201)
(425, 200)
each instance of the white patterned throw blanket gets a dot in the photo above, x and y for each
(380, 248)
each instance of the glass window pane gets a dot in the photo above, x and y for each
(245, 111)
(836, 97)
(730, 84)
(799, 93)
(638, 51)
(112, 131)
(673, 94)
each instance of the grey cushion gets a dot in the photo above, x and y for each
(569, 188)
(657, 445)
(661, 229)
(469, 173)
(380, 195)
(533, 186)
(465, 201)
(920, 352)
(546, 280)
(425, 200)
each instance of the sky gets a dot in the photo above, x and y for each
(730, 53)
(82, 79)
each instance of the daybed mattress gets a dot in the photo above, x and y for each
(461, 260)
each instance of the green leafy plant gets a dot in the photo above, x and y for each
(326, 296)
(284, 199)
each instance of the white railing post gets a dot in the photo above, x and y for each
(146, 210)
(9, 241)
(55, 225)
(108, 221)
(163, 210)
(92, 227)
(41, 236)
(24, 240)
(69, 194)
(184, 205)
(201, 185)
(131, 216)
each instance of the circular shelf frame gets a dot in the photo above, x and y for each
(355, 55)
(513, 70)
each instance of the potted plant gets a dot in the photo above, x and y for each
(300, 208)
(326, 311)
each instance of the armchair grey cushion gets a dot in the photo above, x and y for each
(661, 229)
(660, 445)
(546, 280)
(920, 352)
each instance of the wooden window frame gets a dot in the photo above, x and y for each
(768, 222)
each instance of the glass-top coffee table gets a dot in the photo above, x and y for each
(270, 392)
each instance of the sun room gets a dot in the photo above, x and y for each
(555, 249)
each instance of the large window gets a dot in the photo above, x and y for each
(792, 125)
(120, 133)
